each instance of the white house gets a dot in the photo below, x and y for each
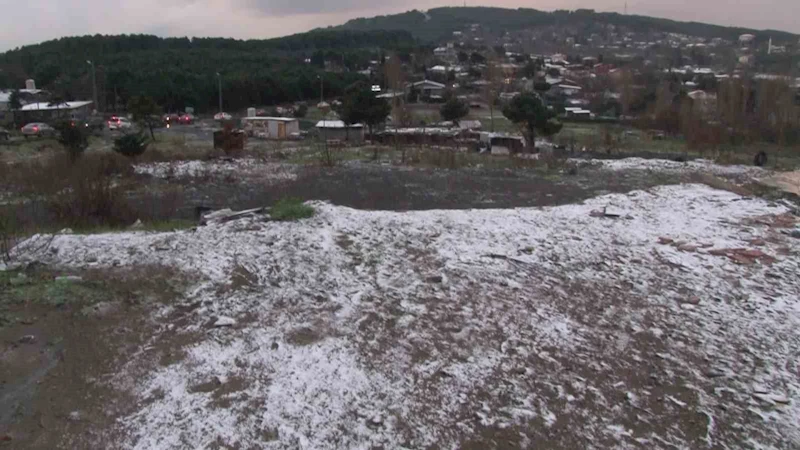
(271, 127)
(428, 88)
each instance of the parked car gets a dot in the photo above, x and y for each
(222, 116)
(119, 123)
(4, 134)
(186, 119)
(38, 129)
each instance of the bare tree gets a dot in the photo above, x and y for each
(395, 80)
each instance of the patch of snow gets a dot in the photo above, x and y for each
(665, 165)
(342, 326)
(240, 168)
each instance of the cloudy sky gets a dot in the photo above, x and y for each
(31, 21)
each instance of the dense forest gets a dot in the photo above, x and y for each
(439, 23)
(180, 72)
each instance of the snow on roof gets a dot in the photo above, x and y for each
(46, 106)
(428, 83)
(276, 119)
(336, 124)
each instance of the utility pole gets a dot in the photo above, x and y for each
(94, 86)
(321, 90)
(219, 84)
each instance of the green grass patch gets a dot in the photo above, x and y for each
(290, 209)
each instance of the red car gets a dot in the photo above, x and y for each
(186, 119)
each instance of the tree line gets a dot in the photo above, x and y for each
(181, 72)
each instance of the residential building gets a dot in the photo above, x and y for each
(272, 127)
(44, 111)
(427, 88)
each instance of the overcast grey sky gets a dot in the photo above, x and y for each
(31, 21)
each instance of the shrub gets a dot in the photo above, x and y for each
(301, 111)
(75, 139)
(131, 145)
(290, 209)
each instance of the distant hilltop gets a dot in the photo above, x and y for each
(439, 23)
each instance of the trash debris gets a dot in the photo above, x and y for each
(27, 339)
(226, 215)
(606, 212)
(138, 225)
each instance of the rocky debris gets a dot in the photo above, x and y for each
(223, 321)
(74, 416)
(743, 256)
(665, 240)
(138, 225)
(275, 346)
(91, 259)
(27, 339)
(693, 300)
(793, 233)
(688, 248)
(758, 242)
(221, 379)
(226, 215)
(782, 399)
(435, 279)
(715, 373)
(69, 279)
(785, 220)
(66, 231)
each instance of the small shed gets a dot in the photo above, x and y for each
(336, 130)
(502, 144)
(271, 127)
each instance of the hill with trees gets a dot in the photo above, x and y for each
(439, 23)
(180, 72)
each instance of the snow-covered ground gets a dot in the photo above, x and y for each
(518, 328)
(665, 165)
(240, 168)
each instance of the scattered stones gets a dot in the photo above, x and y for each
(688, 248)
(275, 346)
(715, 373)
(138, 225)
(223, 321)
(606, 212)
(221, 379)
(758, 242)
(764, 398)
(74, 416)
(435, 279)
(91, 259)
(376, 420)
(665, 240)
(693, 300)
(27, 339)
(782, 399)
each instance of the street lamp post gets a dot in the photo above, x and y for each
(219, 84)
(94, 85)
